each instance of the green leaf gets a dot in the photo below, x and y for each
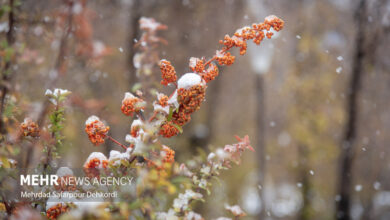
(178, 127)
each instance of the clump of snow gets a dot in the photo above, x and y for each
(91, 119)
(193, 216)
(339, 69)
(98, 155)
(149, 23)
(170, 215)
(159, 108)
(55, 94)
(211, 156)
(188, 80)
(98, 48)
(128, 95)
(193, 61)
(340, 58)
(116, 156)
(241, 30)
(270, 18)
(136, 123)
(173, 100)
(235, 210)
(77, 8)
(64, 171)
(219, 53)
(181, 203)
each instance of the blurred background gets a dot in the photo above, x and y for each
(314, 100)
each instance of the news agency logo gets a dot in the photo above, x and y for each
(39, 180)
(53, 180)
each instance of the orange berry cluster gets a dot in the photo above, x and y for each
(191, 99)
(198, 65)
(29, 128)
(55, 211)
(225, 58)
(211, 72)
(168, 129)
(256, 33)
(96, 131)
(65, 184)
(91, 168)
(162, 100)
(132, 105)
(168, 72)
(167, 154)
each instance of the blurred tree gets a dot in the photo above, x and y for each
(349, 141)
(6, 71)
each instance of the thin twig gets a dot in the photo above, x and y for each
(116, 142)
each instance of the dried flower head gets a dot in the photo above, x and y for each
(29, 128)
(225, 58)
(162, 99)
(167, 154)
(56, 210)
(136, 126)
(168, 72)
(66, 180)
(132, 104)
(211, 72)
(197, 65)
(95, 162)
(168, 129)
(191, 99)
(96, 130)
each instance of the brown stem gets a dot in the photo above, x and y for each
(116, 142)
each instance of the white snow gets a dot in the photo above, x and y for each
(77, 8)
(97, 155)
(128, 95)
(132, 140)
(339, 69)
(270, 18)
(98, 48)
(116, 156)
(53, 95)
(91, 119)
(340, 58)
(358, 188)
(240, 30)
(159, 108)
(236, 210)
(188, 80)
(136, 123)
(148, 23)
(193, 61)
(173, 100)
